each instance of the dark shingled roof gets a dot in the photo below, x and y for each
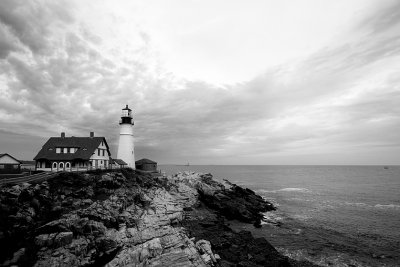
(144, 161)
(86, 147)
(119, 161)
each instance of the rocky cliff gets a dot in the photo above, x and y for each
(125, 218)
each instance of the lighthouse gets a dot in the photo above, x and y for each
(126, 149)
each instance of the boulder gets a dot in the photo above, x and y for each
(54, 240)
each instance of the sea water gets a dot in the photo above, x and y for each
(330, 215)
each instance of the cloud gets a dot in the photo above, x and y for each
(61, 74)
(31, 22)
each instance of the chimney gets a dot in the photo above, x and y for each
(91, 134)
(62, 135)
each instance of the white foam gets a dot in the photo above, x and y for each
(271, 218)
(301, 217)
(288, 189)
(294, 189)
(388, 206)
(358, 204)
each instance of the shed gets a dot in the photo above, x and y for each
(9, 164)
(118, 163)
(146, 165)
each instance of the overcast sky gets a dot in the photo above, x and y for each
(210, 81)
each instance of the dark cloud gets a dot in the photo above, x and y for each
(31, 21)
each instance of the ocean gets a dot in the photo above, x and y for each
(329, 215)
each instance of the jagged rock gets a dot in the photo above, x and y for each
(204, 248)
(130, 219)
(18, 255)
(54, 240)
(62, 239)
(44, 240)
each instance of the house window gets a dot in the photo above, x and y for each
(1, 166)
(103, 152)
(58, 150)
(98, 152)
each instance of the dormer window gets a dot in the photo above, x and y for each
(65, 150)
(84, 149)
(58, 150)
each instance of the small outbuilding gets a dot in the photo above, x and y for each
(146, 165)
(9, 164)
(118, 164)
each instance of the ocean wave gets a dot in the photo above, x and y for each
(358, 204)
(301, 217)
(387, 206)
(271, 218)
(294, 189)
(271, 200)
(326, 259)
(288, 189)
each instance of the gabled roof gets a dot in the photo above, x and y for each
(119, 161)
(3, 154)
(86, 147)
(144, 161)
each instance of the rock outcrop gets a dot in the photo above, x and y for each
(123, 218)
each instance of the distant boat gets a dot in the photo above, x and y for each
(187, 164)
(386, 167)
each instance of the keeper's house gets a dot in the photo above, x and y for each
(73, 153)
(9, 164)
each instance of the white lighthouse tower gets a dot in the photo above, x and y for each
(126, 149)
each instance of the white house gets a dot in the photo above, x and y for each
(9, 164)
(73, 153)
